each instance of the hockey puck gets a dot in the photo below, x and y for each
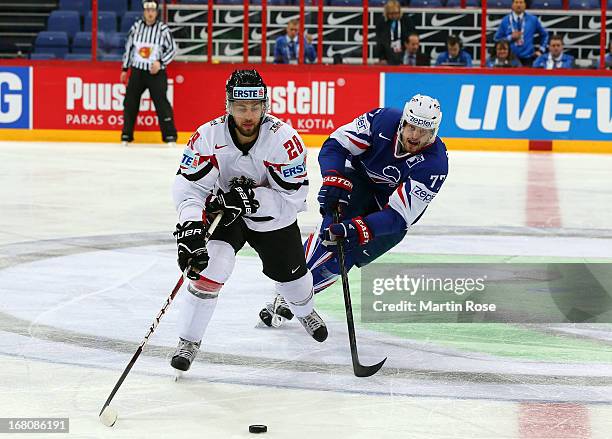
(258, 428)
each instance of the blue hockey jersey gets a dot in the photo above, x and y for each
(403, 184)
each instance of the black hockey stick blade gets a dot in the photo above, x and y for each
(367, 371)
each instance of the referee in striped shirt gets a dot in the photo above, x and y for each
(148, 50)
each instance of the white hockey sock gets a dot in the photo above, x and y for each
(298, 294)
(195, 315)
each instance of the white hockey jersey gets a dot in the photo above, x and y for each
(276, 162)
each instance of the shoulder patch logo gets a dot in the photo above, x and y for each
(415, 159)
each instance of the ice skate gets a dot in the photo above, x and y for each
(184, 355)
(315, 326)
(275, 313)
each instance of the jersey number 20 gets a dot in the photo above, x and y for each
(293, 147)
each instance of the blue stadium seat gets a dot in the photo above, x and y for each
(546, 4)
(82, 43)
(67, 21)
(115, 43)
(499, 4)
(376, 3)
(584, 4)
(42, 56)
(228, 2)
(193, 2)
(81, 6)
(128, 20)
(117, 6)
(78, 56)
(51, 42)
(426, 3)
(110, 57)
(107, 21)
(136, 5)
(457, 3)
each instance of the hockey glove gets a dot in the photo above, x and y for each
(354, 232)
(335, 192)
(236, 202)
(191, 247)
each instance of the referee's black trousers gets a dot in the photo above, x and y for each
(140, 80)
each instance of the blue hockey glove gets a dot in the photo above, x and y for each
(354, 232)
(335, 192)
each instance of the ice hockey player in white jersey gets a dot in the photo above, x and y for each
(252, 167)
(382, 170)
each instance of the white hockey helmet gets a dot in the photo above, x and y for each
(423, 112)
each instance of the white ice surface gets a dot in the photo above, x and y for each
(72, 311)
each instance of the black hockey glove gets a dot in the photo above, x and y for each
(236, 202)
(191, 247)
(335, 192)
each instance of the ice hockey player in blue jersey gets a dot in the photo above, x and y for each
(381, 171)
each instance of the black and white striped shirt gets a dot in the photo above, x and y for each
(146, 44)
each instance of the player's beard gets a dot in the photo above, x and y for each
(248, 132)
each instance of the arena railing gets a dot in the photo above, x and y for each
(359, 26)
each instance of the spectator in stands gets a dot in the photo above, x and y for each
(287, 47)
(454, 54)
(148, 50)
(412, 54)
(519, 29)
(391, 32)
(555, 58)
(609, 55)
(502, 56)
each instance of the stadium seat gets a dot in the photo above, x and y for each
(546, 4)
(66, 21)
(193, 2)
(78, 56)
(82, 43)
(376, 3)
(457, 3)
(42, 56)
(136, 5)
(117, 6)
(51, 42)
(107, 21)
(115, 43)
(584, 4)
(110, 57)
(228, 2)
(128, 19)
(81, 6)
(499, 4)
(426, 3)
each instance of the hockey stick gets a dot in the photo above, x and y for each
(359, 369)
(111, 418)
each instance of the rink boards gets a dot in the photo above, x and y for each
(485, 109)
